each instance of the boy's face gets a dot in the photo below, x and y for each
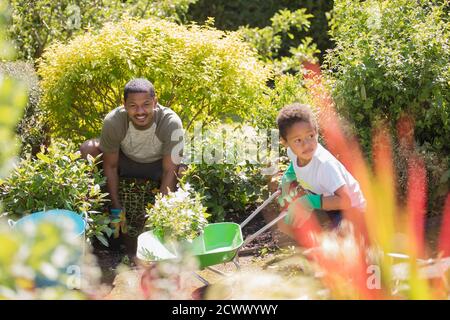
(140, 106)
(302, 138)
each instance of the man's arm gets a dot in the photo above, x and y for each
(110, 168)
(169, 178)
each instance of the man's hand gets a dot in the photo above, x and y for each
(118, 222)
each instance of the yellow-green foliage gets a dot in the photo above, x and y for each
(199, 72)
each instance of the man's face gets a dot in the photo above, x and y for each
(140, 106)
(302, 138)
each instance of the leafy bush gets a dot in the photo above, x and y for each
(12, 100)
(391, 58)
(178, 215)
(27, 254)
(269, 40)
(230, 15)
(58, 179)
(227, 189)
(225, 170)
(32, 129)
(287, 89)
(38, 23)
(199, 72)
(438, 175)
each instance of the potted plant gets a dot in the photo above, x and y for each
(177, 216)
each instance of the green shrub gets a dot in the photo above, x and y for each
(286, 89)
(32, 129)
(199, 72)
(38, 23)
(391, 58)
(58, 179)
(270, 39)
(229, 180)
(179, 215)
(230, 15)
(12, 100)
(227, 189)
(438, 175)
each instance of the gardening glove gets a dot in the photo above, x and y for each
(289, 192)
(311, 201)
(308, 201)
(288, 186)
(118, 222)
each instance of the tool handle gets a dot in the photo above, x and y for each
(262, 206)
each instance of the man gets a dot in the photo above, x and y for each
(140, 139)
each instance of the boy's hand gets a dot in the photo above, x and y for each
(288, 193)
(118, 221)
(308, 201)
(288, 186)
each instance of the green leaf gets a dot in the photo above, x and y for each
(102, 239)
(43, 157)
(108, 232)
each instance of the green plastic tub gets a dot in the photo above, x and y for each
(218, 243)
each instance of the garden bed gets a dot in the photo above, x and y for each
(123, 250)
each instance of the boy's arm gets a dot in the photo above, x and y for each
(289, 175)
(339, 201)
(332, 179)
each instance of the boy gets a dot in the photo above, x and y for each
(326, 183)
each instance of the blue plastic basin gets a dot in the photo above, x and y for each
(64, 218)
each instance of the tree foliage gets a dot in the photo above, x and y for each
(38, 23)
(231, 15)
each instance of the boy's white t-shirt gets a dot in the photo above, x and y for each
(324, 174)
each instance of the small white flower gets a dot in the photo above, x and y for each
(177, 214)
(60, 256)
(243, 176)
(49, 271)
(22, 271)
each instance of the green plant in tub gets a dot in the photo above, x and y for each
(179, 215)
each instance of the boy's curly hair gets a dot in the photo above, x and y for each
(293, 113)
